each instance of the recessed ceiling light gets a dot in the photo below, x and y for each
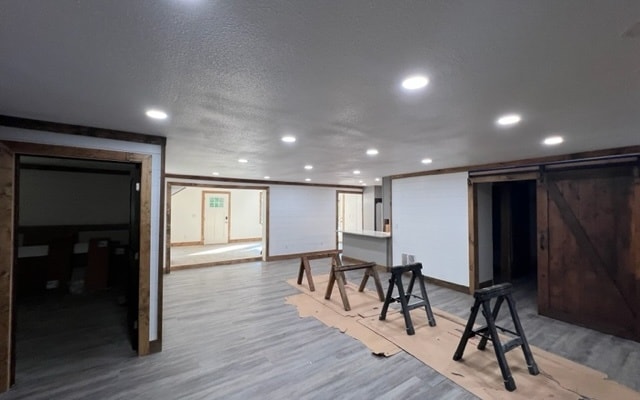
(377, 179)
(267, 177)
(553, 140)
(415, 82)
(508, 119)
(156, 114)
(243, 160)
(216, 173)
(308, 179)
(364, 184)
(360, 181)
(288, 139)
(372, 152)
(356, 172)
(426, 161)
(308, 167)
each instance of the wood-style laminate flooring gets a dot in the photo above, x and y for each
(228, 334)
(214, 253)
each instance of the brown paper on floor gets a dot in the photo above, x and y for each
(479, 373)
(363, 304)
(310, 307)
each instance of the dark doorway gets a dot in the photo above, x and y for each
(514, 231)
(77, 265)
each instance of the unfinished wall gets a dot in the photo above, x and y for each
(430, 221)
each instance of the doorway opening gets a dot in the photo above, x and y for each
(215, 225)
(76, 276)
(349, 215)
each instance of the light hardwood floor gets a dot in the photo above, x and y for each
(228, 334)
(214, 253)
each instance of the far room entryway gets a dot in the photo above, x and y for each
(215, 225)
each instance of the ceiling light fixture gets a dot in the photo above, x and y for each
(243, 160)
(377, 179)
(215, 173)
(508, 120)
(372, 152)
(356, 172)
(426, 161)
(267, 177)
(156, 114)
(415, 82)
(288, 139)
(553, 140)
(308, 167)
(307, 179)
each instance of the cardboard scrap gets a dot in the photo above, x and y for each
(477, 372)
(309, 307)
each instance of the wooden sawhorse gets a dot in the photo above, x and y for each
(305, 266)
(337, 275)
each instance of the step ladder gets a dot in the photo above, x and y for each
(483, 299)
(404, 298)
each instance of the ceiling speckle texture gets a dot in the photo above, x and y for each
(235, 76)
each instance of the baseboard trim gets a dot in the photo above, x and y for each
(485, 284)
(378, 267)
(258, 239)
(155, 346)
(448, 285)
(298, 255)
(215, 264)
(180, 244)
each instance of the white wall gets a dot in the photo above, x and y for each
(484, 240)
(186, 214)
(72, 198)
(368, 208)
(25, 135)
(245, 214)
(430, 220)
(301, 219)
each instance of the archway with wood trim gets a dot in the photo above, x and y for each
(9, 151)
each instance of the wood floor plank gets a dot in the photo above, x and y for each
(228, 334)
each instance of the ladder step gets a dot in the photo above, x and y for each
(512, 344)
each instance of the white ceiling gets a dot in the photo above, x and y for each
(237, 75)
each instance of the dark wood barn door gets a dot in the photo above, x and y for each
(589, 248)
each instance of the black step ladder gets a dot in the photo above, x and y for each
(404, 298)
(483, 298)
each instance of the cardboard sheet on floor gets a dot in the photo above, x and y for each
(363, 304)
(310, 307)
(478, 372)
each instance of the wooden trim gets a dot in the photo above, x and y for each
(155, 346)
(38, 125)
(474, 273)
(505, 177)
(144, 287)
(184, 244)
(26, 148)
(212, 186)
(506, 235)
(258, 181)
(612, 152)
(245, 240)
(485, 284)
(542, 225)
(7, 220)
(215, 263)
(448, 285)
(80, 170)
(298, 255)
(267, 221)
(167, 237)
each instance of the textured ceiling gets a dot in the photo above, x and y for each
(234, 76)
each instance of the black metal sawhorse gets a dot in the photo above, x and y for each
(404, 298)
(483, 298)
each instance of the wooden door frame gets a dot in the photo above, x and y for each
(212, 185)
(474, 271)
(204, 195)
(338, 192)
(8, 210)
